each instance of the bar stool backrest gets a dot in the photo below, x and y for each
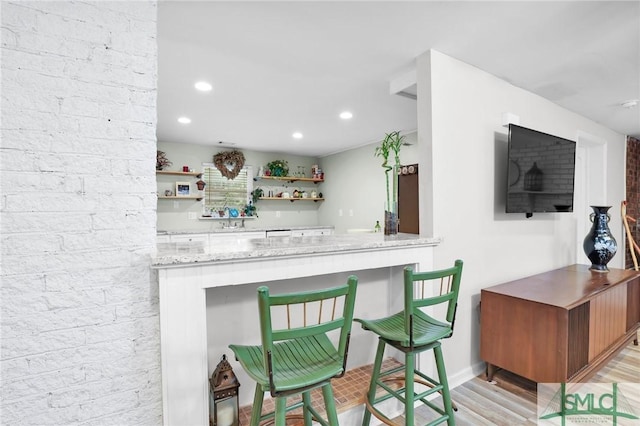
(425, 289)
(300, 315)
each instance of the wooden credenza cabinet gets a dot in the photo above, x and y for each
(559, 326)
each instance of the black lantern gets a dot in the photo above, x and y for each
(223, 391)
(533, 179)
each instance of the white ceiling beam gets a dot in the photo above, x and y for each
(404, 85)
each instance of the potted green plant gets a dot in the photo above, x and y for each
(256, 194)
(161, 160)
(392, 143)
(250, 209)
(224, 206)
(278, 168)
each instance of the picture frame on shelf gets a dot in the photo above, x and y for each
(183, 189)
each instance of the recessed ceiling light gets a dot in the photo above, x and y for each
(184, 120)
(297, 135)
(630, 103)
(346, 115)
(203, 86)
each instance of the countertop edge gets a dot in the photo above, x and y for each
(196, 254)
(241, 230)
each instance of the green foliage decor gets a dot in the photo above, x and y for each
(256, 194)
(278, 168)
(392, 142)
(161, 160)
(250, 209)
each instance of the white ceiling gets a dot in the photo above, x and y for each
(281, 67)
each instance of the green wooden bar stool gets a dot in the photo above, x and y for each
(412, 331)
(298, 353)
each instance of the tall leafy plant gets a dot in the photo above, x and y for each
(392, 143)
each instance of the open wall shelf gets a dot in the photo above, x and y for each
(292, 199)
(177, 173)
(289, 179)
(174, 197)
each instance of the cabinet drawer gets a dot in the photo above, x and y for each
(310, 232)
(279, 233)
(186, 238)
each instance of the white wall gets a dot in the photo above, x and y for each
(355, 185)
(80, 337)
(466, 138)
(174, 215)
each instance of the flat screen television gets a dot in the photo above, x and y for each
(541, 172)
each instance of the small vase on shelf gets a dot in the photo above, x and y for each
(599, 245)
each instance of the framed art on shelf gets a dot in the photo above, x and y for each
(183, 189)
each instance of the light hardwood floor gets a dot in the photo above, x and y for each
(512, 400)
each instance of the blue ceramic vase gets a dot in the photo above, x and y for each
(599, 245)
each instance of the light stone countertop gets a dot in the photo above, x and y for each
(185, 253)
(234, 230)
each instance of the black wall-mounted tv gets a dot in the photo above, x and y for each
(541, 172)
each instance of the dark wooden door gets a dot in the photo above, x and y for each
(408, 197)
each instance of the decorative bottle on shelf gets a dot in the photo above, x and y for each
(599, 245)
(377, 228)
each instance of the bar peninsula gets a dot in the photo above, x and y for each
(188, 271)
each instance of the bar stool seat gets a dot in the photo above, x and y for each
(412, 331)
(305, 339)
(426, 330)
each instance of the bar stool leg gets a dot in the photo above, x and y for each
(409, 367)
(306, 401)
(330, 405)
(256, 410)
(442, 376)
(375, 374)
(281, 411)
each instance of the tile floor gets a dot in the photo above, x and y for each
(348, 392)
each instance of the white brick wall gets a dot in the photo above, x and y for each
(79, 307)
